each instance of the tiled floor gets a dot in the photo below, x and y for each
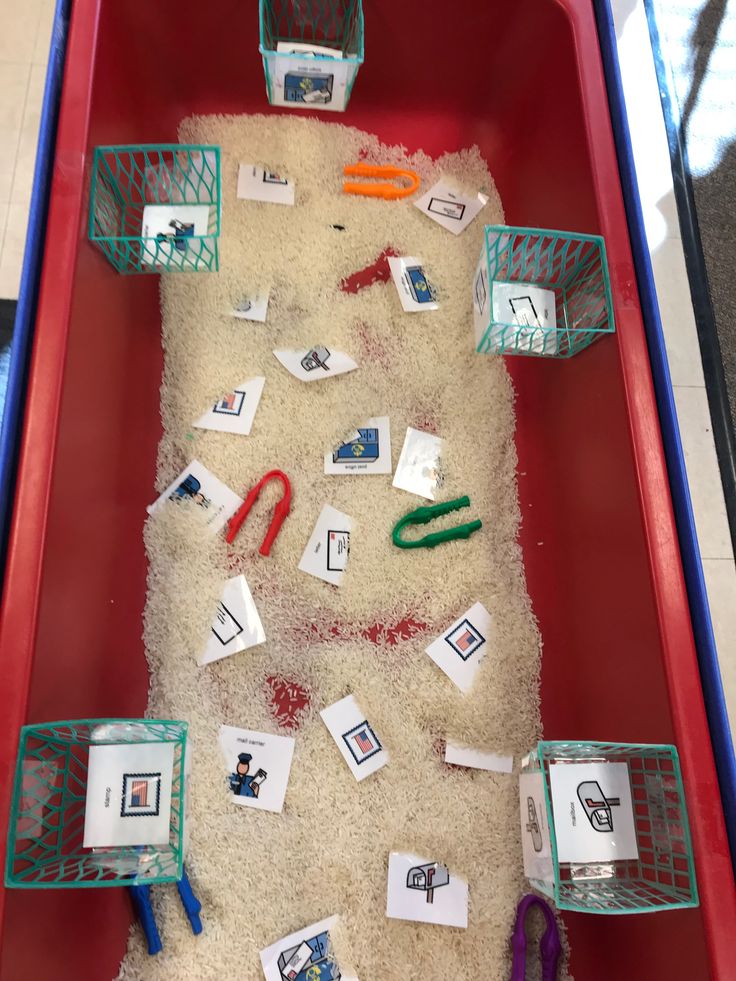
(25, 32)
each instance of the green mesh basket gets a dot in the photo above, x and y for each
(540, 292)
(156, 208)
(49, 800)
(315, 81)
(663, 876)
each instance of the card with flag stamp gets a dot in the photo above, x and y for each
(128, 794)
(355, 737)
(461, 648)
(328, 549)
(234, 411)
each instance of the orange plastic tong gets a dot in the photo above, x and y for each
(389, 192)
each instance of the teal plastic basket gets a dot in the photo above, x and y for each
(663, 876)
(156, 208)
(572, 267)
(311, 81)
(47, 815)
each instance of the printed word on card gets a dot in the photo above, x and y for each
(328, 549)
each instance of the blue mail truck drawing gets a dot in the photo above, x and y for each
(364, 447)
(309, 961)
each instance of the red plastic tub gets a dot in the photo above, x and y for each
(524, 81)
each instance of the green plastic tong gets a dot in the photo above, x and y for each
(421, 516)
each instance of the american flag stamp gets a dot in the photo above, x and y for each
(355, 737)
(230, 404)
(465, 639)
(141, 795)
(362, 742)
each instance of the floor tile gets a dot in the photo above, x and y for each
(3, 221)
(43, 34)
(13, 87)
(720, 581)
(706, 491)
(676, 311)
(19, 19)
(15, 229)
(26, 154)
(10, 268)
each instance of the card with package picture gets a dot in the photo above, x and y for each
(419, 470)
(593, 812)
(235, 411)
(197, 484)
(128, 794)
(167, 230)
(237, 625)
(328, 549)
(425, 891)
(258, 767)
(315, 363)
(305, 955)
(366, 450)
(535, 834)
(461, 648)
(449, 208)
(261, 184)
(252, 306)
(355, 737)
(415, 291)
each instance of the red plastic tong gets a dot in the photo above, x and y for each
(280, 512)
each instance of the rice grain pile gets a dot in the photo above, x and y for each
(261, 875)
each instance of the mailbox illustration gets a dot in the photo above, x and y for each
(316, 358)
(597, 806)
(532, 825)
(427, 878)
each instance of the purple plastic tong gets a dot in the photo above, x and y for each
(549, 946)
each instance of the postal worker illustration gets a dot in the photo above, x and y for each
(242, 783)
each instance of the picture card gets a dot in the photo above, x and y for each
(196, 483)
(535, 837)
(302, 48)
(415, 290)
(170, 225)
(303, 80)
(367, 450)
(419, 470)
(425, 890)
(258, 767)
(315, 363)
(306, 955)
(449, 208)
(593, 812)
(461, 648)
(478, 759)
(260, 184)
(236, 626)
(360, 746)
(236, 410)
(252, 306)
(128, 794)
(529, 307)
(328, 549)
